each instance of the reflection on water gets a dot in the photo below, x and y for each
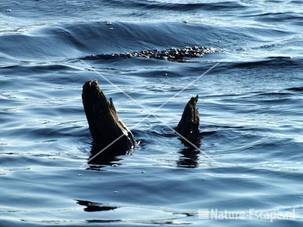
(189, 158)
(97, 158)
(93, 207)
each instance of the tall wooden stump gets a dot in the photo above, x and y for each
(110, 136)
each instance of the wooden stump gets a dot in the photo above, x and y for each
(188, 126)
(110, 135)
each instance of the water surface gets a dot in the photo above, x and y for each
(250, 109)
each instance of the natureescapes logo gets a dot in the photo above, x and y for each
(251, 214)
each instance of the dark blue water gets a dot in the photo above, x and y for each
(250, 104)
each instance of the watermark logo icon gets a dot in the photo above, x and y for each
(251, 214)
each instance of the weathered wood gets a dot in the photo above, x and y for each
(110, 135)
(188, 126)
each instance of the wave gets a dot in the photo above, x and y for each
(157, 5)
(296, 89)
(279, 17)
(101, 38)
(276, 61)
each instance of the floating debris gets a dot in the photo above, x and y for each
(172, 54)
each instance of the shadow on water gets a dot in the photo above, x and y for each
(94, 207)
(97, 207)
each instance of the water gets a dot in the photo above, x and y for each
(250, 105)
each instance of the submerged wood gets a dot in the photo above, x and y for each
(110, 135)
(188, 126)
